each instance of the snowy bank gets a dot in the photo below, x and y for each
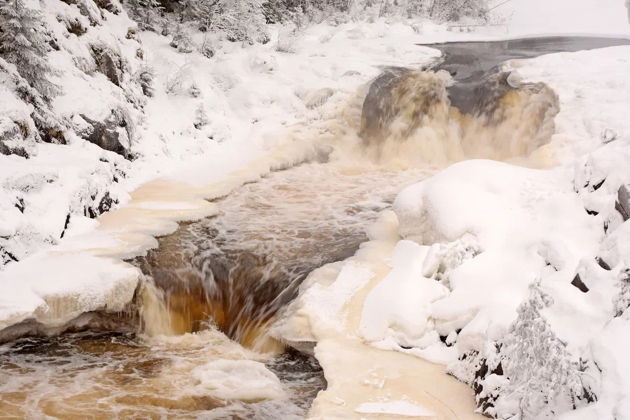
(202, 127)
(515, 278)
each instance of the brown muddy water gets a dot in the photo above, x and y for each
(215, 286)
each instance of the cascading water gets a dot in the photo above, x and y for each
(409, 114)
(215, 286)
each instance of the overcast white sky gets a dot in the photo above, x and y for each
(566, 16)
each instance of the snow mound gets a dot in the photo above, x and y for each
(393, 307)
(56, 288)
(244, 380)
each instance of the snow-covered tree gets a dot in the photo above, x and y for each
(240, 20)
(23, 43)
(543, 377)
(146, 13)
(622, 302)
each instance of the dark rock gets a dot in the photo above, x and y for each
(379, 106)
(20, 205)
(109, 63)
(622, 205)
(603, 264)
(577, 282)
(104, 205)
(107, 134)
(591, 212)
(53, 135)
(73, 25)
(65, 226)
(599, 185)
(6, 256)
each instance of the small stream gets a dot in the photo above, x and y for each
(217, 284)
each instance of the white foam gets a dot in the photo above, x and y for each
(244, 380)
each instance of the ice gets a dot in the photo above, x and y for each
(244, 380)
(396, 408)
(56, 288)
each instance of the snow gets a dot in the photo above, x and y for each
(385, 313)
(611, 350)
(442, 276)
(244, 380)
(64, 286)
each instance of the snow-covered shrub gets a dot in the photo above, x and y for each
(201, 118)
(41, 123)
(208, 47)
(281, 11)
(146, 13)
(182, 40)
(176, 81)
(241, 20)
(287, 38)
(529, 374)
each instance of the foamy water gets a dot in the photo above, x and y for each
(240, 267)
(231, 273)
(216, 285)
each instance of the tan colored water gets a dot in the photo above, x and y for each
(231, 273)
(218, 283)
(242, 266)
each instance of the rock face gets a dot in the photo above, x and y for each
(109, 63)
(113, 133)
(378, 106)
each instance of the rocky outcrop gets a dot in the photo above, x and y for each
(113, 133)
(622, 205)
(109, 63)
(378, 106)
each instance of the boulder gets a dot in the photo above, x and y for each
(110, 134)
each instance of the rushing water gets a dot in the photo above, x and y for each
(242, 266)
(215, 285)
(218, 282)
(111, 375)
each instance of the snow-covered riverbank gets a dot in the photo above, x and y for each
(263, 108)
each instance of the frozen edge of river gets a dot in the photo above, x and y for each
(85, 273)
